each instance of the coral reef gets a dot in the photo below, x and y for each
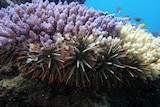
(75, 50)
(71, 44)
(77, 46)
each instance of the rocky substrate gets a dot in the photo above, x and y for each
(17, 90)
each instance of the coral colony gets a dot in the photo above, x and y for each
(71, 44)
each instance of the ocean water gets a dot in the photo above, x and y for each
(147, 10)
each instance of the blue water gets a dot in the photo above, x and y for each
(147, 10)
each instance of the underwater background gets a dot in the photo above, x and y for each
(147, 10)
(19, 90)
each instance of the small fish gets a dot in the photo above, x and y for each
(142, 25)
(9, 1)
(124, 18)
(137, 19)
(104, 13)
(127, 15)
(118, 9)
(112, 15)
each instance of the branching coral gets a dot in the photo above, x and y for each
(142, 45)
(69, 43)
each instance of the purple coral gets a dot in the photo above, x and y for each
(26, 22)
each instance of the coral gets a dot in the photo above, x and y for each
(5, 3)
(142, 45)
(67, 43)
(69, 1)
(44, 21)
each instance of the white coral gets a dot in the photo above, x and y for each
(143, 45)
